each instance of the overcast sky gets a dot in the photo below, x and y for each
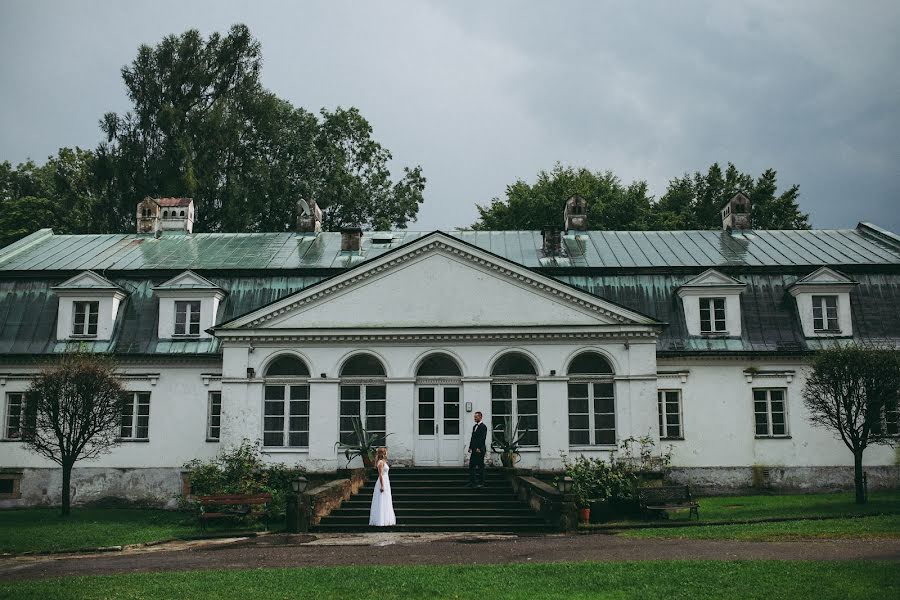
(482, 93)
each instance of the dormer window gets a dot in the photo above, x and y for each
(712, 304)
(84, 323)
(187, 318)
(88, 306)
(712, 315)
(823, 303)
(825, 313)
(188, 304)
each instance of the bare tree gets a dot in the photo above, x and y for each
(77, 404)
(852, 391)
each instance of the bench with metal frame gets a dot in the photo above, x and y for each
(666, 498)
(243, 507)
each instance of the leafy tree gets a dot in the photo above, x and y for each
(78, 408)
(852, 391)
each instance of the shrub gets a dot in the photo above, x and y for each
(597, 479)
(241, 470)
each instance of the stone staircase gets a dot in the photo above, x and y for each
(437, 499)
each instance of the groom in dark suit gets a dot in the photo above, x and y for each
(478, 448)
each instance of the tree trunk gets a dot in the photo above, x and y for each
(858, 477)
(66, 488)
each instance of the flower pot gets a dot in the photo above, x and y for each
(368, 460)
(585, 514)
(509, 459)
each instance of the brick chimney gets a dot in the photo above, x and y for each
(575, 215)
(351, 237)
(552, 240)
(736, 214)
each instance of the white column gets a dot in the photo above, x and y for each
(241, 400)
(400, 418)
(553, 419)
(323, 418)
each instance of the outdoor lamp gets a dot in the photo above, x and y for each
(565, 484)
(299, 484)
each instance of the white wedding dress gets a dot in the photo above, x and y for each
(382, 512)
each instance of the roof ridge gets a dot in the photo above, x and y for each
(26, 242)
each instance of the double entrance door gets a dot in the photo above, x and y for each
(439, 440)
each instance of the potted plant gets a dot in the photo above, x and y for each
(506, 440)
(364, 445)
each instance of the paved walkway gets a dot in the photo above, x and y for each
(429, 549)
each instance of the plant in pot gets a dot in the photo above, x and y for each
(585, 484)
(506, 440)
(364, 444)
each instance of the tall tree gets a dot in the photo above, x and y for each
(78, 408)
(852, 391)
(203, 126)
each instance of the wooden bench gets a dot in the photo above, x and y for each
(673, 497)
(243, 504)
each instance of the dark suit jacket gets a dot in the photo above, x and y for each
(479, 436)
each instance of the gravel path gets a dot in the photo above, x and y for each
(431, 549)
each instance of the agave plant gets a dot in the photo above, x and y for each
(506, 440)
(364, 445)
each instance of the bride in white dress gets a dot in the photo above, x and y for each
(382, 512)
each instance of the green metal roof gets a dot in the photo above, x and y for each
(45, 251)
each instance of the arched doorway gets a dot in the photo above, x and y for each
(439, 440)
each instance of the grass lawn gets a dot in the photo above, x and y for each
(883, 526)
(36, 529)
(640, 580)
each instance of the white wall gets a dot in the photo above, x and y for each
(107, 309)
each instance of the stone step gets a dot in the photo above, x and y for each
(449, 528)
(473, 512)
(338, 519)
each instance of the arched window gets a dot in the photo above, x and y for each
(182, 213)
(286, 404)
(439, 365)
(592, 403)
(287, 365)
(165, 214)
(363, 398)
(514, 395)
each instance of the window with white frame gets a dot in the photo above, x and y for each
(592, 402)
(135, 423)
(712, 315)
(668, 404)
(770, 412)
(892, 419)
(86, 314)
(21, 416)
(187, 317)
(514, 396)
(825, 313)
(214, 416)
(363, 398)
(286, 415)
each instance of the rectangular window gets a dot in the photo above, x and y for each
(86, 316)
(770, 412)
(518, 401)
(286, 416)
(712, 315)
(214, 416)
(21, 415)
(669, 407)
(187, 318)
(592, 414)
(135, 416)
(825, 314)
(892, 419)
(368, 403)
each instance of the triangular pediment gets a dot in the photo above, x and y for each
(713, 278)
(187, 281)
(825, 275)
(438, 281)
(88, 280)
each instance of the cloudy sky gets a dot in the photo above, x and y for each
(483, 93)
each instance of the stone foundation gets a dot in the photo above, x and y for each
(740, 480)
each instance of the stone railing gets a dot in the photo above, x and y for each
(324, 498)
(548, 502)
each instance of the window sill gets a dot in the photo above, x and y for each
(13, 440)
(284, 450)
(603, 447)
(671, 439)
(133, 440)
(714, 334)
(213, 440)
(526, 450)
(176, 336)
(828, 331)
(82, 336)
(773, 437)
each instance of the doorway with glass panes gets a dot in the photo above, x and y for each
(439, 439)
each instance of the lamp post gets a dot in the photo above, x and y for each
(297, 514)
(568, 517)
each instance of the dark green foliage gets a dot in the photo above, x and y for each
(241, 470)
(693, 201)
(203, 126)
(597, 479)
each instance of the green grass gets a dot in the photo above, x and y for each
(43, 529)
(885, 526)
(572, 581)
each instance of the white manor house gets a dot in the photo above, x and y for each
(699, 339)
